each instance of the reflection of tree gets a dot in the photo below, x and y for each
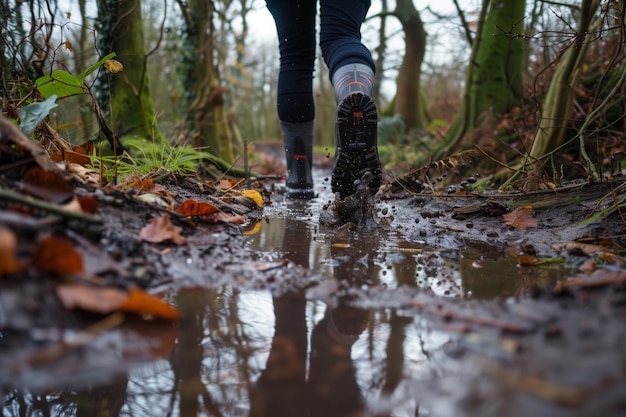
(211, 363)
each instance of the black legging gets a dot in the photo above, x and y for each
(340, 40)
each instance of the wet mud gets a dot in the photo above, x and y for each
(422, 309)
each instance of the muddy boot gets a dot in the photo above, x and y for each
(356, 130)
(298, 141)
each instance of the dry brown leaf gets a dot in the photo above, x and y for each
(84, 174)
(208, 213)
(47, 185)
(108, 300)
(521, 218)
(578, 247)
(137, 183)
(8, 252)
(57, 255)
(95, 299)
(75, 154)
(160, 230)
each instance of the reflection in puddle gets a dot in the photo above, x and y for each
(384, 257)
(248, 353)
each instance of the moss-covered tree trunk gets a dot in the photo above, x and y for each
(558, 106)
(407, 101)
(496, 85)
(130, 102)
(206, 115)
(494, 72)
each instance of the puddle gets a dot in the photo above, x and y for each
(249, 353)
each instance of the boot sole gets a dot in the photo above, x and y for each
(357, 150)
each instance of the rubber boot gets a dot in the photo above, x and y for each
(356, 130)
(298, 141)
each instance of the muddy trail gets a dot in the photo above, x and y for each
(442, 307)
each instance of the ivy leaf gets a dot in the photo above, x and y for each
(33, 114)
(60, 83)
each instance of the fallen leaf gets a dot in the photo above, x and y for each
(613, 259)
(141, 302)
(84, 174)
(105, 300)
(196, 208)
(207, 212)
(56, 255)
(96, 299)
(137, 183)
(74, 154)
(88, 203)
(521, 218)
(47, 185)
(8, 252)
(255, 195)
(525, 259)
(161, 229)
(225, 184)
(578, 247)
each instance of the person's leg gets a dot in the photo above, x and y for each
(295, 24)
(352, 75)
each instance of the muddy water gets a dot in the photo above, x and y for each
(311, 352)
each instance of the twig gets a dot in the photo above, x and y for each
(12, 196)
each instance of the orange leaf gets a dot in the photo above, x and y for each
(109, 299)
(47, 185)
(88, 203)
(527, 259)
(196, 208)
(95, 299)
(521, 218)
(57, 255)
(141, 302)
(162, 229)
(208, 213)
(8, 248)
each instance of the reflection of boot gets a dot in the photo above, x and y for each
(356, 130)
(332, 377)
(281, 388)
(298, 141)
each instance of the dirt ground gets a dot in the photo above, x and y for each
(553, 350)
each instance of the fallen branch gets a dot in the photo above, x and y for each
(20, 199)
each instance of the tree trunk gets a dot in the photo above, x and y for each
(206, 113)
(380, 50)
(559, 103)
(131, 106)
(497, 78)
(407, 101)
(494, 73)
